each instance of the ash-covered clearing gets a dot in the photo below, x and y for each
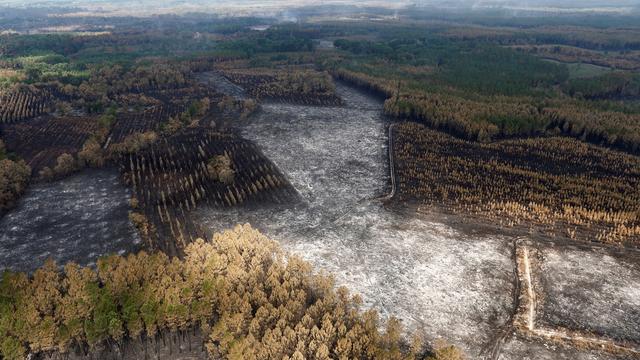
(435, 279)
(78, 219)
(593, 290)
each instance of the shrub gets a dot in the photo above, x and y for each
(444, 351)
(135, 142)
(65, 165)
(220, 168)
(13, 181)
(91, 154)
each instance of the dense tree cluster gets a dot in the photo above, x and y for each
(236, 108)
(14, 44)
(281, 38)
(65, 165)
(479, 91)
(616, 85)
(305, 82)
(611, 128)
(559, 183)
(612, 38)
(383, 87)
(145, 228)
(252, 300)
(220, 168)
(110, 80)
(135, 142)
(475, 120)
(465, 65)
(91, 154)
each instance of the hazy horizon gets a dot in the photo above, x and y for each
(151, 7)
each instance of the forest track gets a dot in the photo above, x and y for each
(392, 167)
(503, 333)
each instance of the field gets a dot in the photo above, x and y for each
(585, 300)
(79, 218)
(581, 70)
(567, 188)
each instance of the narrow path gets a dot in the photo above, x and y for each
(505, 331)
(530, 295)
(392, 166)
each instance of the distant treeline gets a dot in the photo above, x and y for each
(479, 91)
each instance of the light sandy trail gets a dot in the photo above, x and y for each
(531, 299)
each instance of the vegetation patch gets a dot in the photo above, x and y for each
(14, 176)
(625, 60)
(566, 187)
(471, 87)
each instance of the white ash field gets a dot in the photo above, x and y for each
(79, 218)
(593, 290)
